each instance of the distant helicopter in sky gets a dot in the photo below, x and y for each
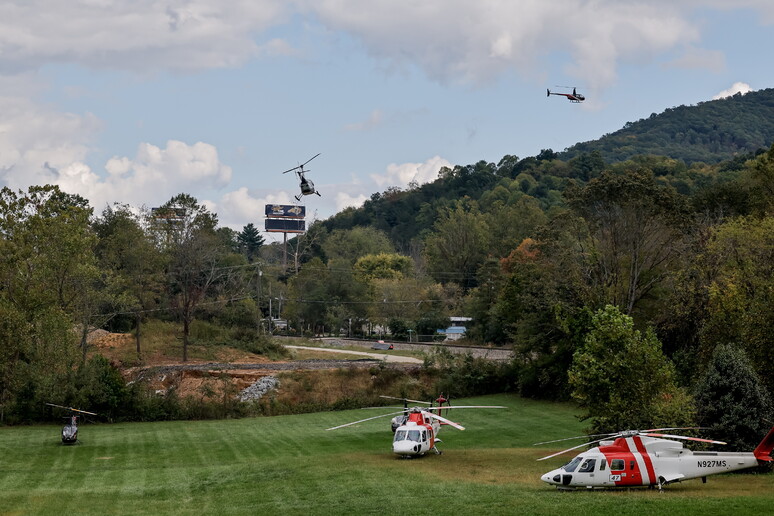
(307, 186)
(572, 97)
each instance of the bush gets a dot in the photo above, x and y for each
(465, 375)
(731, 399)
(100, 388)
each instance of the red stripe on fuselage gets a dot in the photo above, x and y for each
(645, 458)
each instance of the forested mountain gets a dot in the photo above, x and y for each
(675, 145)
(710, 131)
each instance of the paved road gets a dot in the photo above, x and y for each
(378, 356)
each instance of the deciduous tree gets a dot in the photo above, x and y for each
(622, 379)
(636, 232)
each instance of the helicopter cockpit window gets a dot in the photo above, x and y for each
(424, 435)
(570, 466)
(588, 466)
(400, 435)
(413, 435)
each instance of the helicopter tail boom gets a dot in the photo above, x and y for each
(763, 451)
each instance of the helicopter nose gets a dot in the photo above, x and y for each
(405, 447)
(551, 478)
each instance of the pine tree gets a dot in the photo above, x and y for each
(250, 241)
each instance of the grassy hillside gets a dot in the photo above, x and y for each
(291, 465)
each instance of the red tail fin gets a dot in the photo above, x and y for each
(763, 451)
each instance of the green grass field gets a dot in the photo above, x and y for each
(291, 465)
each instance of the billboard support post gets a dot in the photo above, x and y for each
(284, 218)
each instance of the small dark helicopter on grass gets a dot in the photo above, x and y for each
(572, 97)
(307, 186)
(70, 430)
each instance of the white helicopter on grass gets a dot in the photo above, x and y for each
(416, 429)
(648, 458)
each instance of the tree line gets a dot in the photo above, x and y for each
(599, 276)
(682, 253)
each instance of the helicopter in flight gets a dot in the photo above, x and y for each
(648, 458)
(70, 430)
(572, 97)
(416, 429)
(307, 186)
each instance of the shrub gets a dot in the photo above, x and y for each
(731, 399)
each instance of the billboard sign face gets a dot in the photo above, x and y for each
(286, 211)
(171, 216)
(285, 225)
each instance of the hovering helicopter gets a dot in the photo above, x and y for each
(416, 430)
(649, 458)
(572, 97)
(70, 430)
(307, 186)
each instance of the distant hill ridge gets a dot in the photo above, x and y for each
(728, 130)
(711, 131)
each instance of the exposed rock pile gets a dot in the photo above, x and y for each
(259, 388)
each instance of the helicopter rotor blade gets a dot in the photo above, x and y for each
(363, 420)
(443, 419)
(72, 409)
(647, 433)
(405, 399)
(573, 448)
(292, 169)
(576, 437)
(670, 436)
(310, 159)
(611, 434)
(467, 406)
(676, 428)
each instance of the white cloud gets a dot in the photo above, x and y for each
(699, 58)
(764, 8)
(737, 87)
(472, 42)
(239, 207)
(35, 140)
(374, 120)
(402, 174)
(153, 176)
(345, 200)
(139, 35)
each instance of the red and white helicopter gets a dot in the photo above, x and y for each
(572, 97)
(416, 429)
(649, 458)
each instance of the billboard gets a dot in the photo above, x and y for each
(286, 211)
(171, 216)
(285, 225)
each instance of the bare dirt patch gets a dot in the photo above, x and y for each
(209, 374)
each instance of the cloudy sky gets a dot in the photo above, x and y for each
(134, 101)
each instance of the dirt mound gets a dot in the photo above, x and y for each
(225, 372)
(188, 378)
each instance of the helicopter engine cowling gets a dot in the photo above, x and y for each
(397, 421)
